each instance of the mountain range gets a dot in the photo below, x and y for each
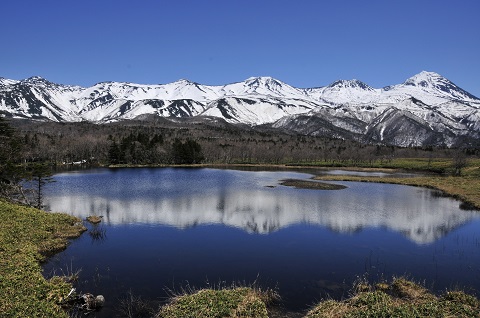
(426, 109)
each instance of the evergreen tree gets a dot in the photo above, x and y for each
(189, 152)
(10, 151)
(115, 155)
(40, 175)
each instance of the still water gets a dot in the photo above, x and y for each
(168, 228)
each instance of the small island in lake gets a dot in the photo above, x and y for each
(314, 185)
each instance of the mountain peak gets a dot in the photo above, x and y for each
(425, 79)
(36, 80)
(260, 78)
(436, 82)
(266, 80)
(354, 83)
(429, 74)
(183, 81)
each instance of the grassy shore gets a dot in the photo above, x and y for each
(435, 165)
(225, 302)
(401, 298)
(465, 187)
(27, 237)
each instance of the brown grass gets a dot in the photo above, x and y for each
(465, 187)
(314, 185)
(400, 298)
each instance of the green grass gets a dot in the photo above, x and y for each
(228, 302)
(435, 165)
(27, 237)
(401, 298)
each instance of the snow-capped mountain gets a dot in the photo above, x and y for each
(425, 109)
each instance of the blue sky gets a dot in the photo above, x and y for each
(303, 43)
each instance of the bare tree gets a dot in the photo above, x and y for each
(459, 161)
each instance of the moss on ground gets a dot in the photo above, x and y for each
(27, 237)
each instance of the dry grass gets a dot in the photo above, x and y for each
(232, 301)
(400, 298)
(465, 187)
(314, 185)
(237, 302)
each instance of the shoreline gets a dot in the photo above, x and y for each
(465, 188)
(28, 237)
(462, 189)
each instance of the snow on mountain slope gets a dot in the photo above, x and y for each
(435, 84)
(429, 87)
(266, 86)
(256, 111)
(427, 104)
(324, 122)
(395, 126)
(181, 89)
(6, 82)
(345, 92)
(38, 98)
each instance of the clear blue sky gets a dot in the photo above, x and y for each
(303, 43)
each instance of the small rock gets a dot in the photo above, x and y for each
(94, 219)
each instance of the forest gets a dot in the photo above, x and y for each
(161, 141)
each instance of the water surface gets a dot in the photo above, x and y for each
(169, 227)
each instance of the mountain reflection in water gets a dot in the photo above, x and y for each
(252, 201)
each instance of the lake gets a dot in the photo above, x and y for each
(165, 229)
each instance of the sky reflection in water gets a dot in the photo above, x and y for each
(167, 226)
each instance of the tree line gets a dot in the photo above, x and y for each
(141, 148)
(167, 142)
